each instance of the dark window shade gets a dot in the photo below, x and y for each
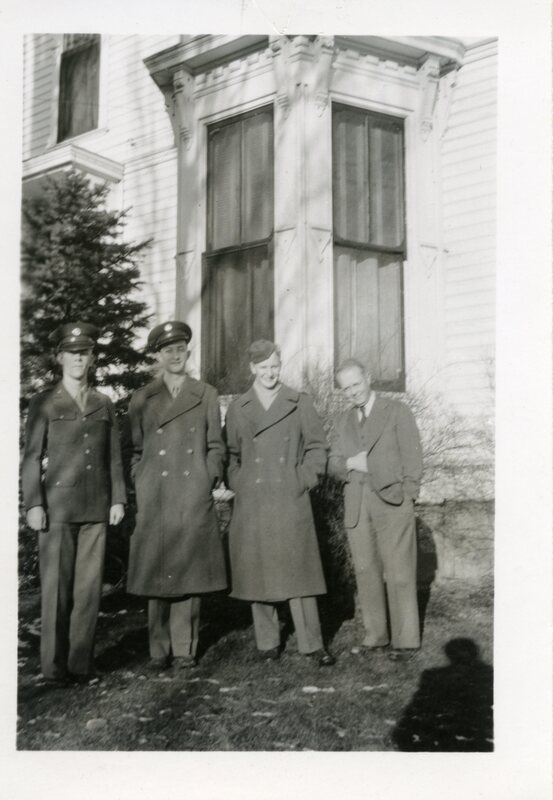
(369, 242)
(257, 177)
(238, 285)
(368, 179)
(79, 89)
(237, 304)
(224, 188)
(369, 320)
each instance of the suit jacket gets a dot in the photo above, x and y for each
(394, 459)
(84, 475)
(178, 456)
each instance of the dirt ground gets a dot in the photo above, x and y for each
(439, 701)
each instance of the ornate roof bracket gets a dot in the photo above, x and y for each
(324, 54)
(429, 74)
(318, 52)
(183, 106)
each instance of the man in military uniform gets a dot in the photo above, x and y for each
(74, 428)
(176, 552)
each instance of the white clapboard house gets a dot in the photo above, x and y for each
(335, 193)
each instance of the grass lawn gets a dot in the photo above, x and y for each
(233, 701)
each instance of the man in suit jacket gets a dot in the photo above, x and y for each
(74, 427)
(176, 553)
(376, 452)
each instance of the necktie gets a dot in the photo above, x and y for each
(80, 398)
(175, 390)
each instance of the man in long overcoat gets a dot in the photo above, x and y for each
(277, 451)
(176, 552)
(376, 452)
(74, 428)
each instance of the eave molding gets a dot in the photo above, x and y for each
(71, 156)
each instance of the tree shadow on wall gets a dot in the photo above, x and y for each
(451, 710)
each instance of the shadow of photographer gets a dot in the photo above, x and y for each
(452, 709)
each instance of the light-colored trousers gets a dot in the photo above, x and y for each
(384, 554)
(71, 557)
(173, 626)
(305, 615)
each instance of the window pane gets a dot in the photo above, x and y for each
(79, 88)
(368, 297)
(368, 178)
(224, 187)
(351, 173)
(237, 308)
(257, 177)
(386, 184)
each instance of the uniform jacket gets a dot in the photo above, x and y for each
(178, 455)
(84, 474)
(276, 457)
(394, 457)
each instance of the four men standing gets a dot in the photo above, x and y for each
(277, 453)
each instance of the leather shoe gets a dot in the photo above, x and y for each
(61, 681)
(374, 648)
(157, 664)
(270, 655)
(322, 658)
(184, 662)
(403, 653)
(82, 678)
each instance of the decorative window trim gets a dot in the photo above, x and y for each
(55, 94)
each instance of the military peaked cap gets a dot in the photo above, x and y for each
(168, 332)
(74, 336)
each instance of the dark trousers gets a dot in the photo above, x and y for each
(71, 563)
(384, 554)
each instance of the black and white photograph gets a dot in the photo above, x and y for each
(265, 501)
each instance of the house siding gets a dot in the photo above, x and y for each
(468, 219)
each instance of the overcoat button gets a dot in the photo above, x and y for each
(282, 459)
(87, 451)
(58, 483)
(89, 466)
(61, 416)
(189, 451)
(192, 430)
(159, 430)
(257, 460)
(258, 480)
(162, 452)
(86, 436)
(164, 474)
(186, 473)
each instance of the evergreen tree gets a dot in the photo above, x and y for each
(75, 266)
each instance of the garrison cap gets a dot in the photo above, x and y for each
(168, 332)
(261, 350)
(74, 336)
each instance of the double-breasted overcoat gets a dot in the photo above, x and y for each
(178, 456)
(83, 476)
(275, 457)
